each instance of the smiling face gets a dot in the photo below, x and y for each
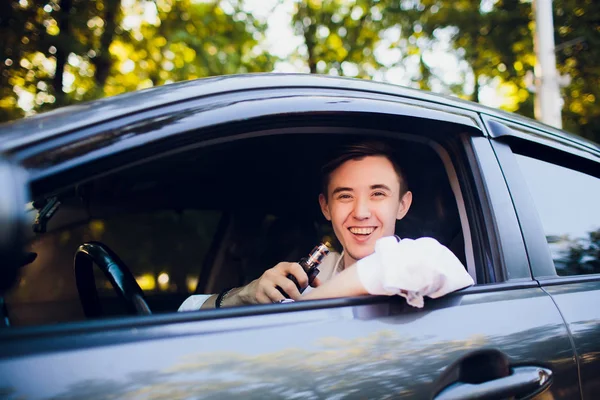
(363, 203)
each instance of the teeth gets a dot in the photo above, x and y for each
(362, 231)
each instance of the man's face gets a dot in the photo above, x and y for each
(363, 203)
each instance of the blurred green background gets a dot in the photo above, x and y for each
(60, 52)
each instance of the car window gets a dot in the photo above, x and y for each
(164, 251)
(205, 220)
(567, 203)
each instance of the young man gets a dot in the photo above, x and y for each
(364, 192)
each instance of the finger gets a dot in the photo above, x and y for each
(262, 298)
(274, 295)
(299, 273)
(269, 294)
(288, 286)
(316, 282)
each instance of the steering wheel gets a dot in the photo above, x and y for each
(115, 271)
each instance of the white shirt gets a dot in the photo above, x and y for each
(412, 269)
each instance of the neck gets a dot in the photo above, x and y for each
(348, 260)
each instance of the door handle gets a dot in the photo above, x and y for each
(522, 382)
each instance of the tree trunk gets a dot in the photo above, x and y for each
(475, 96)
(103, 60)
(6, 12)
(310, 36)
(62, 51)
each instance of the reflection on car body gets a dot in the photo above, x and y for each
(179, 182)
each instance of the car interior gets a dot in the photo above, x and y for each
(212, 217)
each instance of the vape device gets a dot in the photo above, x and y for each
(310, 265)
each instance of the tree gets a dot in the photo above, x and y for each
(346, 38)
(494, 40)
(51, 48)
(22, 33)
(188, 40)
(367, 38)
(63, 51)
(577, 25)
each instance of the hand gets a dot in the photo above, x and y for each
(264, 289)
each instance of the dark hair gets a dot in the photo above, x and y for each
(358, 151)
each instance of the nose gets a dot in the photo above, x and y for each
(362, 209)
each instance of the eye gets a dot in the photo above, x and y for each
(344, 196)
(379, 194)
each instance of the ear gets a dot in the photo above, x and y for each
(405, 203)
(324, 207)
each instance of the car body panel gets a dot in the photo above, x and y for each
(144, 129)
(577, 303)
(41, 127)
(575, 296)
(372, 350)
(25, 132)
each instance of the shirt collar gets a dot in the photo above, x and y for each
(339, 265)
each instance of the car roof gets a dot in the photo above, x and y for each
(46, 125)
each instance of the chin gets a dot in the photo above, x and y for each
(359, 254)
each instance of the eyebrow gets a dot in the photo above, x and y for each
(381, 186)
(341, 189)
(348, 189)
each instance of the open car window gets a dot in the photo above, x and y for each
(218, 216)
(164, 249)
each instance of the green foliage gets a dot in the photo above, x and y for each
(350, 37)
(340, 38)
(577, 26)
(188, 40)
(345, 37)
(496, 42)
(23, 34)
(64, 51)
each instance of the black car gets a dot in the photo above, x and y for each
(135, 202)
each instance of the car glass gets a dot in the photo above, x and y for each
(567, 203)
(163, 249)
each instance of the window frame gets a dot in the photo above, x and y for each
(507, 247)
(506, 146)
(447, 157)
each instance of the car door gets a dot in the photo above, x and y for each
(556, 185)
(13, 225)
(503, 337)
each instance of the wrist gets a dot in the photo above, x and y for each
(233, 298)
(247, 294)
(221, 297)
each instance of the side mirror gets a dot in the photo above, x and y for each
(14, 195)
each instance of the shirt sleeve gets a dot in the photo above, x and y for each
(194, 302)
(412, 269)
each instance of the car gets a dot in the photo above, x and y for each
(116, 210)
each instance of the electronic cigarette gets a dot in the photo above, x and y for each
(310, 265)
